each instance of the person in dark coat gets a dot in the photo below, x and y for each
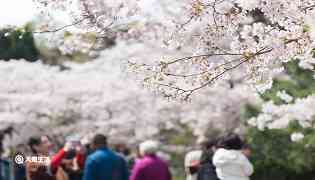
(207, 169)
(104, 164)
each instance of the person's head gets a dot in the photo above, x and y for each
(148, 147)
(231, 141)
(208, 151)
(122, 148)
(247, 150)
(202, 142)
(137, 152)
(40, 145)
(126, 151)
(99, 141)
(70, 154)
(211, 144)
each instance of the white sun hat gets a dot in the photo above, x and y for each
(149, 147)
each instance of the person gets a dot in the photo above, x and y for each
(150, 166)
(247, 150)
(71, 167)
(19, 170)
(207, 170)
(122, 150)
(192, 164)
(133, 158)
(229, 160)
(41, 147)
(103, 163)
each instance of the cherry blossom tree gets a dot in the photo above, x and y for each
(99, 96)
(218, 54)
(207, 39)
(187, 46)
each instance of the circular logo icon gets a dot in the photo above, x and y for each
(19, 159)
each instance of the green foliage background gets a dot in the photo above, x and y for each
(275, 156)
(18, 43)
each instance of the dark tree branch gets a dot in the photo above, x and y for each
(187, 22)
(60, 28)
(245, 57)
(308, 7)
(214, 78)
(203, 55)
(203, 72)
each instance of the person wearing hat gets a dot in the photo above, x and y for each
(150, 166)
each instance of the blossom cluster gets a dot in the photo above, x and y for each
(209, 38)
(279, 116)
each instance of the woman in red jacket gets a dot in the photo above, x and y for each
(40, 147)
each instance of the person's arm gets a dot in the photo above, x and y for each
(124, 169)
(248, 168)
(56, 160)
(217, 159)
(80, 160)
(136, 173)
(89, 170)
(169, 174)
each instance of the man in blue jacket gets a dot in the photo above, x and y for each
(104, 164)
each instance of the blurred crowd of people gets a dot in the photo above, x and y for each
(222, 159)
(226, 158)
(94, 160)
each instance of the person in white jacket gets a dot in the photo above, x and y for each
(192, 163)
(229, 160)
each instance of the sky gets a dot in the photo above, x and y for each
(16, 12)
(20, 12)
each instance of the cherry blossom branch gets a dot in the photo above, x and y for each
(308, 7)
(191, 91)
(246, 57)
(214, 78)
(203, 55)
(61, 28)
(215, 12)
(187, 22)
(73, 24)
(203, 72)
